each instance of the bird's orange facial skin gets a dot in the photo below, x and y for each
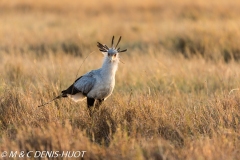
(113, 57)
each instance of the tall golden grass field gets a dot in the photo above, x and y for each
(177, 93)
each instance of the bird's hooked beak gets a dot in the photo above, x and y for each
(111, 59)
(112, 56)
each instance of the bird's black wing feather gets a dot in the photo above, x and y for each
(77, 79)
(85, 83)
(71, 90)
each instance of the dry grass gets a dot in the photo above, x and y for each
(176, 97)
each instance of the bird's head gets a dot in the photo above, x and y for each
(111, 53)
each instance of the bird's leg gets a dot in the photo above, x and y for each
(90, 104)
(93, 105)
(98, 103)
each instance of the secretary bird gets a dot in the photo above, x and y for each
(96, 85)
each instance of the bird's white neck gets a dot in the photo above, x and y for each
(109, 68)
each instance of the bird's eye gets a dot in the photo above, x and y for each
(115, 55)
(108, 54)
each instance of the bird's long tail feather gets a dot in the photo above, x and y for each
(58, 97)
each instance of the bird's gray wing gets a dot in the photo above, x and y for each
(85, 83)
